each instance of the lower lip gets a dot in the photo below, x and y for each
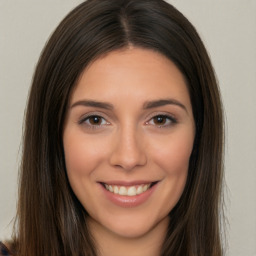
(129, 201)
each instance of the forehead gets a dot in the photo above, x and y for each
(131, 72)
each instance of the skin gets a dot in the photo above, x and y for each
(131, 141)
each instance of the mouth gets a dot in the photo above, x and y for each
(128, 190)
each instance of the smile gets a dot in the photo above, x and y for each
(128, 194)
(128, 190)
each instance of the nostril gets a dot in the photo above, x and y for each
(127, 161)
(128, 151)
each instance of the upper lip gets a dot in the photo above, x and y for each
(128, 183)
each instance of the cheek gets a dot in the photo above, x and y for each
(82, 155)
(81, 149)
(173, 159)
(173, 154)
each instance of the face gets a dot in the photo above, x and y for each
(128, 137)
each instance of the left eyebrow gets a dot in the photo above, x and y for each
(93, 103)
(163, 102)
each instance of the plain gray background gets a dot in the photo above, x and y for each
(228, 29)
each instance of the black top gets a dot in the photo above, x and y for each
(4, 250)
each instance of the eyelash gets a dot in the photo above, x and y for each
(93, 126)
(168, 118)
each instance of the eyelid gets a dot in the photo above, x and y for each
(173, 120)
(91, 114)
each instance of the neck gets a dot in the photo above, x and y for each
(111, 244)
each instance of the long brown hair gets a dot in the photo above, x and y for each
(50, 219)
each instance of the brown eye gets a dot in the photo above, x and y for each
(160, 120)
(95, 120)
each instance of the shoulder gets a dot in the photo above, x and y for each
(4, 250)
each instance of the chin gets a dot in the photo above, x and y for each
(133, 227)
(131, 231)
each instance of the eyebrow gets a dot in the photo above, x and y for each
(146, 105)
(163, 102)
(92, 103)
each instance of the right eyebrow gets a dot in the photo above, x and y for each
(92, 103)
(163, 102)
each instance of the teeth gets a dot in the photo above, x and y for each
(110, 188)
(131, 191)
(139, 190)
(145, 188)
(127, 191)
(122, 191)
(116, 190)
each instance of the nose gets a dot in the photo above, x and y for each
(128, 150)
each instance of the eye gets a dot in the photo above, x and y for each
(93, 121)
(162, 120)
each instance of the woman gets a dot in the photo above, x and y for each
(123, 138)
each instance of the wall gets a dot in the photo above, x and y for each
(228, 28)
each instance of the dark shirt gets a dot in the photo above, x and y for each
(4, 250)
